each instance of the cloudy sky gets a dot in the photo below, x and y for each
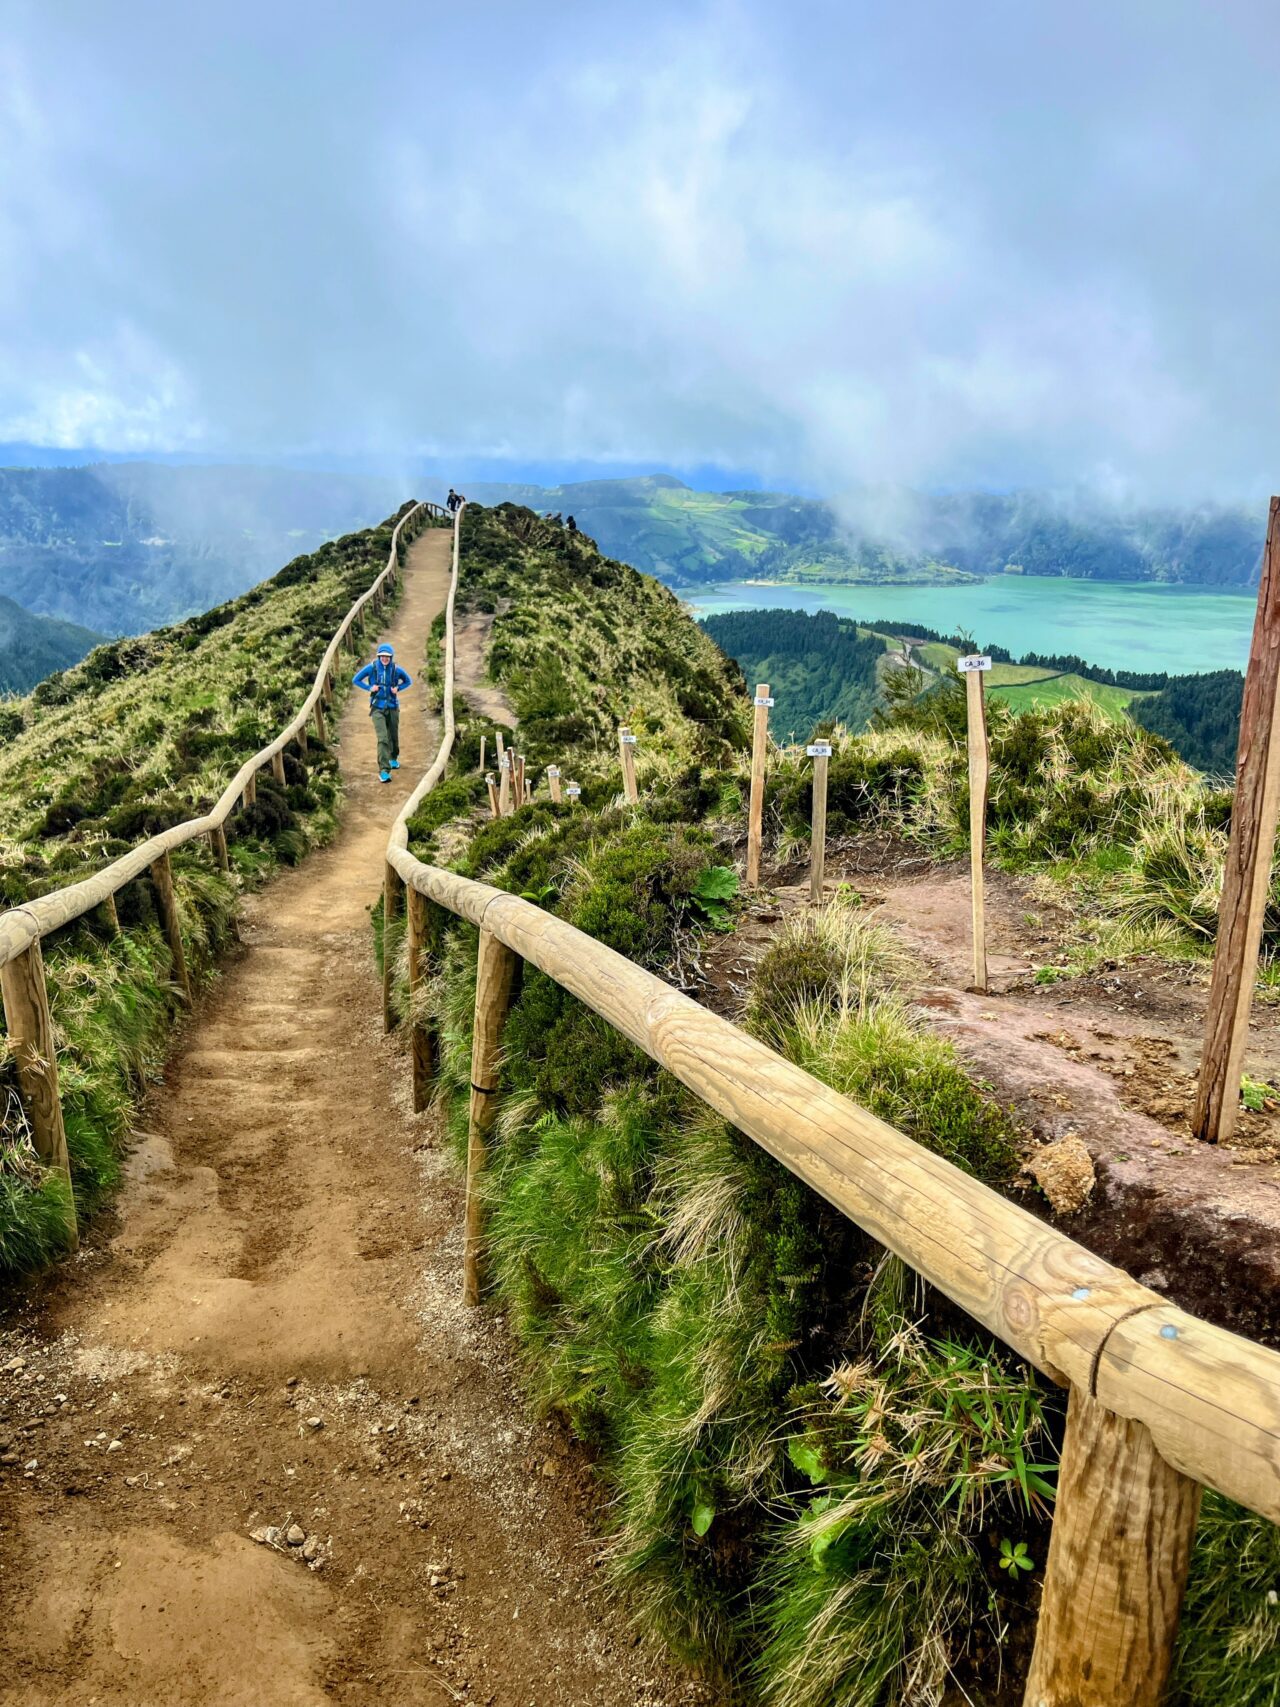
(995, 244)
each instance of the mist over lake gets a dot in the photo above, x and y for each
(1119, 625)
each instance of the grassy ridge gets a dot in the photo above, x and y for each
(144, 734)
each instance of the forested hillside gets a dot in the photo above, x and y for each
(144, 734)
(124, 547)
(758, 1384)
(32, 647)
(823, 668)
(688, 538)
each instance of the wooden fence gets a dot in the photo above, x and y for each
(22, 981)
(1160, 1404)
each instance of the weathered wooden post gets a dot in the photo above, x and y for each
(973, 668)
(110, 917)
(29, 1025)
(553, 783)
(497, 735)
(1123, 1525)
(421, 1042)
(759, 748)
(392, 890)
(1250, 849)
(162, 877)
(521, 795)
(250, 790)
(627, 747)
(504, 785)
(320, 734)
(277, 767)
(483, 739)
(495, 981)
(495, 804)
(820, 753)
(218, 842)
(301, 739)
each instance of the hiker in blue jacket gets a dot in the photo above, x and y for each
(385, 681)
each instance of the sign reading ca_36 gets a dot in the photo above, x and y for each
(974, 662)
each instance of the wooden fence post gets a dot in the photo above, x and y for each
(504, 785)
(1123, 1525)
(218, 842)
(483, 740)
(29, 1025)
(250, 791)
(301, 739)
(320, 734)
(553, 783)
(277, 767)
(627, 747)
(972, 669)
(392, 890)
(495, 981)
(521, 795)
(162, 877)
(1247, 879)
(110, 917)
(495, 804)
(820, 753)
(421, 1042)
(497, 735)
(755, 818)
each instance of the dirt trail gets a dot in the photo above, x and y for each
(270, 1335)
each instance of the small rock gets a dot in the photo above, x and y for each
(131, 1481)
(311, 1548)
(315, 1422)
(292, 1381)
(270, 1536)
(32, 1464)
(116, 1446)
(295, 1535)
(15, 1366)
(550, 1467)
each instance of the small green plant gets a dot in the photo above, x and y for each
(1258, 1096)
(713, 891)
(1014, 1558)
(1050, 974)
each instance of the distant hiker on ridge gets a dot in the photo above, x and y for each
(571, 525)
(384, 681)
(451, 502)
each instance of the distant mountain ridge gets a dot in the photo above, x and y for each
(131, 546)
(33, 647)
(690, 538)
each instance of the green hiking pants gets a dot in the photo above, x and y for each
(386, 726)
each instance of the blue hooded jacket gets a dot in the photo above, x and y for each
(383, 683)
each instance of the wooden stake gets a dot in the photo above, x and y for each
(553, 782)
(495, 981)
(218, 842)
(421, 1041)
(1249, 855)
(974, 669)
(1123, 1525)
(301, 738)
(277, 767)
(110, 917)
(29, 1025)
(320, 734)
(495, 804)
(392, 890)
(521, 795)
(759, 748)
(504, 785)
(162, 877)
(820, 752)
(627, 747)
(250, 791)
(497, 735)
(483, 739)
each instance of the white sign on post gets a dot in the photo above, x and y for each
(628, 740)
(763, 699)
(553, 770)
(975, 662)
(819, 750)
(573, 789)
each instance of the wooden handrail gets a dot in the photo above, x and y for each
(1160, 1401)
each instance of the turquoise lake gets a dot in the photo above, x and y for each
(1119, 625)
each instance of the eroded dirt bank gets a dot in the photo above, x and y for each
(267, 1339)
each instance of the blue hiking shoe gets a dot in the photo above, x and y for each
(395, 764)
(384, 776)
